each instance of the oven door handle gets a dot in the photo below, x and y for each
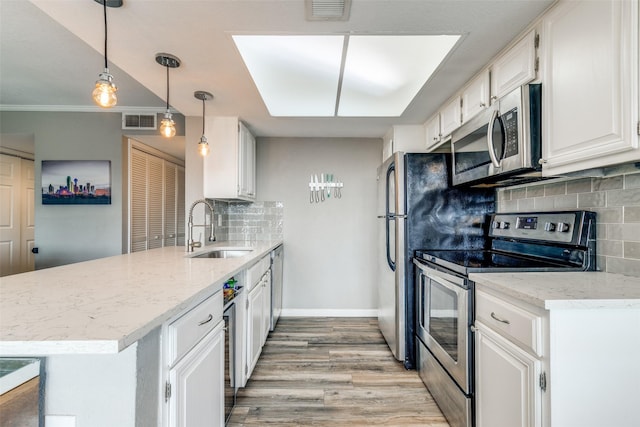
(492, 153)
(436, 274)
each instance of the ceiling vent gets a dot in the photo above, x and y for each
(143, 121)
(327, 10)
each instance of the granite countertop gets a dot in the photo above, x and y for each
(565, 290)
(105, 305)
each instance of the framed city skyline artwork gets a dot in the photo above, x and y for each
(76, 182)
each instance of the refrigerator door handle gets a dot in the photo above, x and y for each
(389, 217)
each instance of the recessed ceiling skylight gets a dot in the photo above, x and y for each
(314, 76)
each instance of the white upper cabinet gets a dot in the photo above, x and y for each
(229, 169)
(450, 117)
(517, 66)
(432, 132)
(590, 85)
(475, 97)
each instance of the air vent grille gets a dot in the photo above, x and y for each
(328, 10)
(139, 121)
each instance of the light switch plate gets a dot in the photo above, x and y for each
(60, 421)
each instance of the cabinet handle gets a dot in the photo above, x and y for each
(207, 320)
(482, 105)
(505, 321)
(493, 98)
(473, 328)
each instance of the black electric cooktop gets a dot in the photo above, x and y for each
(470, 261)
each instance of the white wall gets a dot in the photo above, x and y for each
(330, 249)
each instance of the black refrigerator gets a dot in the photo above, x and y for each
(418, 208)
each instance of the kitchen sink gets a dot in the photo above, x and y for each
(223, 253)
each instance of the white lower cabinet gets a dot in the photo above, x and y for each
(258, 315)
(506, 377)
(193, 368)
(197, 388)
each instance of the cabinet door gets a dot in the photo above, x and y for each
(475, 97)
(515, 68)
(590, 73)
(432, 130)
(266, 307)
(255, 318)
(246, 163)
(197, 384)
(450, 117)
(507, 392)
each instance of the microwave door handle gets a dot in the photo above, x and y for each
(492, 153)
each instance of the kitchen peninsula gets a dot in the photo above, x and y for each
(98, 323)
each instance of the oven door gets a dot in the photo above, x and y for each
(443, 321)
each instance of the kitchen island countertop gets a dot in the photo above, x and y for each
(105, 305)
(565, 290)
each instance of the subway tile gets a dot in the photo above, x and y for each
(609, 248)
(535, 191)
(543, 203)
(608, 215)
(609, 183)
(632, 180)
(632, 250)
(555, 189)
(627, 232)
(579, 186)
(631, 214)
(525, 205)
(601, 231)
(629, 197)
(508, 206)
(629, 267)
(601, 263)
(503, 194)
(518, 193)
(595, 199)
(569, 201)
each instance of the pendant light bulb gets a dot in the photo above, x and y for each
(203, 145)
(104, 93)
(168, 126)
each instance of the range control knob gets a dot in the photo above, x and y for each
(504, 225)
(495, 224)
(549, 226)
(563, 227)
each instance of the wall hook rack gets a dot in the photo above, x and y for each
(321, 186)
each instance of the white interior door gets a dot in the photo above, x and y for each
(16, 215)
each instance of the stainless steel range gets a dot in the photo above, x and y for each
(517, 242)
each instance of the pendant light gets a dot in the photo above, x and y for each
(104, 93)
(167, 125)
(203, 145)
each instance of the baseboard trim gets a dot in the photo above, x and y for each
(313, 312)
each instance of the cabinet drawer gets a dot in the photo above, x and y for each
(257, 270)
(510, 321)
(185, 332)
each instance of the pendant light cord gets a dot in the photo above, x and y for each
(104, 3)
(167, 87)
(203, 99)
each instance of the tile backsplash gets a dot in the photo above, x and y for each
(251, 222)
(616, 200)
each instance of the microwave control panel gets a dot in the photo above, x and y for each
(510, 124)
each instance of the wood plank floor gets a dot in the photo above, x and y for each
(332, 372)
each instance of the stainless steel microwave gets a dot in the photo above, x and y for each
(501, 145)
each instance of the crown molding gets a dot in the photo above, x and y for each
(83, 109)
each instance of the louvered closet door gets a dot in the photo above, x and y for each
(138, 197)
(155, 202)
(170, 205)
(180, 215)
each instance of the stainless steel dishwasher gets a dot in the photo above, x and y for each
(277, 258)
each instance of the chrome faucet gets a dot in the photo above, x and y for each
(212, 237)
